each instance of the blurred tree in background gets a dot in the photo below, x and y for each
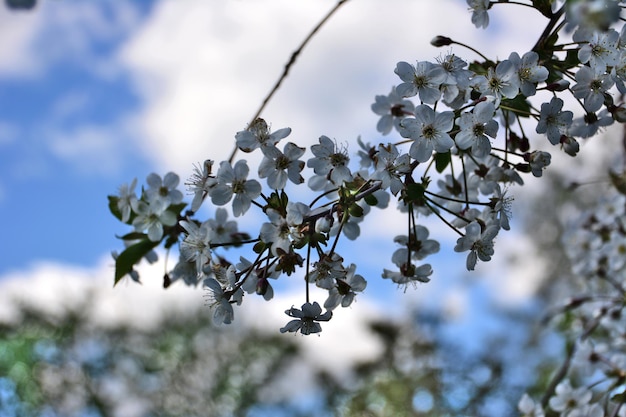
(69, 366)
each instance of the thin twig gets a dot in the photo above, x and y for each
(288, 66)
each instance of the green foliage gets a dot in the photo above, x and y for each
(519, 105)
(183, 367)
(442, 160)
(126, 260)
(113, 200)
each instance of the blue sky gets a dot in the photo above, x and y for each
(53, 204)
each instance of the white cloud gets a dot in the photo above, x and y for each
(91, 149)
(17, 34)
(203, 68)
(62, 31)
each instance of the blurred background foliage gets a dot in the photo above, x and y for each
(67, 365)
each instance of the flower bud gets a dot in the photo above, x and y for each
(570, 146)
(619, 114)
(560, 85)
(261, 286)
(440, 41)
(323, 224)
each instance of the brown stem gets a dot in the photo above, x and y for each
(288, 66)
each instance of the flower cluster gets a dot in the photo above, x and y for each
(595, 244)
(457, 142)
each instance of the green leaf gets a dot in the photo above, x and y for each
(545, 50)
(355, 210)
(481, 68)
(171, 239)
(113, 207)
(519, 105)
(370, 200)
(177, 208)
(441, 161)
(259, 247)
(133, 236)
(619, 398)
(131, 256)
(619, 181)
(571, 59)
(414, 194)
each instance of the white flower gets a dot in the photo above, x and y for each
(567, 398)
(390, 167)
(234, 181)
(330, 162)
(392, 109)
(538, 160)
(163, 191)
(582, 247)
(126, 199)
(306, 319)
(587, 410)
(529, 73)
(480, 17)
(456, 74)
(476, 128)
(326, 270)
(429, 131)
(611, 209)
(200, 183)
(409, 274)
(184, 270)
(256, 280)
(615, 250)
(478, 242)
(258, 136)
(592, 14)
(618, 72)
(296, 212)
(277, 166)
(419, 245)
(552, 121)
(152, 217)
(590, 124)
(323, 224)
(529, 408)
(219, 301)
(455, 88)
(599, 49)
(367, 153)
(345, 289)
(502, 206)
(196, 246)
(591, 86)
(501, 82)
(277, 233)
(424, 79)
(222, 229)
